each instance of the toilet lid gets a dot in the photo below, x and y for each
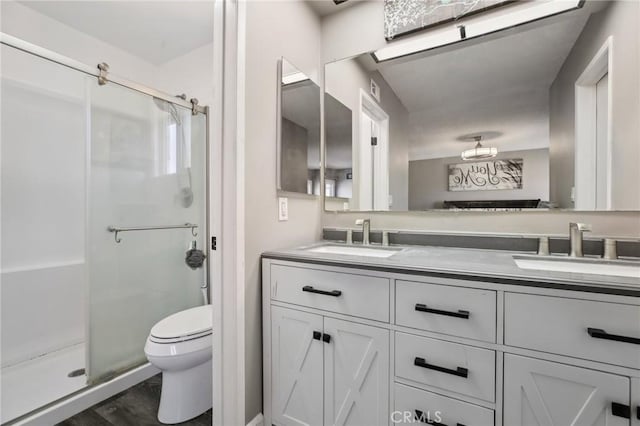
(192, 322)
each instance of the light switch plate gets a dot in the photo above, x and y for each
(283, 209)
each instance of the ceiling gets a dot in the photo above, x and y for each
(323, 8)
(499, 83)
(155, 31)
(523, 59)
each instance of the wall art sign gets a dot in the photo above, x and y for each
(402, 17)
(486, 175)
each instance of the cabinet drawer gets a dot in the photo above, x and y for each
(457, 311)
(599, 331)
(357, 295)
(411, 403)
(458, 368)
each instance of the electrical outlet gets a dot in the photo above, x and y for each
(283, 209)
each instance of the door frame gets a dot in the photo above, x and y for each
(585, 129)
(380, 183)
(227, 213)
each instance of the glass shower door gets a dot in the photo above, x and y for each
(146, 169)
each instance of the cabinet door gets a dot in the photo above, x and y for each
(296, 367)
(356, 374)
(540, 392)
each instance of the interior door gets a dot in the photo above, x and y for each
(540, 392)
(602, 144)
(365, 165)
(356, 374)
(296, 365)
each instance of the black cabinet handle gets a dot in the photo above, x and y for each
(310, 289)
(459, 314)
(638, 412)
(459, 371)
(326, 338)
(620, 410)
(422, 418)
(317, 335)
(597, 333)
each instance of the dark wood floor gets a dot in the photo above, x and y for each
(137, 406)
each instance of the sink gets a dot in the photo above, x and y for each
(618, 268)
(356, 250)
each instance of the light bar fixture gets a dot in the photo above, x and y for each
(490, 23)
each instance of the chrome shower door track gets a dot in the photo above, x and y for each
(52, 56)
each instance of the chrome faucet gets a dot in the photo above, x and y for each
(366, 227)
(575, 237)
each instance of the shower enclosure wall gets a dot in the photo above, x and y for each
(78, 160)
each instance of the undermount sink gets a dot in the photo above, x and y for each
(618, 268)
(356, 250)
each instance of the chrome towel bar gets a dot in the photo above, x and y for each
(117, 230)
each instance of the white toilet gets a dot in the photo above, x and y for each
(180, 346)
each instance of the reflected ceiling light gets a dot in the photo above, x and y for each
(491, 23)
(294, 78)
(479, 152)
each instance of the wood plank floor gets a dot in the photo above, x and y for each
(137, 406)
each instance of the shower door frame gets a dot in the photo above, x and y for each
(78, 401)
(52, 56)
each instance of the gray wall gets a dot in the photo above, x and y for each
(359, 29)
(343, 81)
(273, 29)
(293, 173)
(620, 19)
(429, 181)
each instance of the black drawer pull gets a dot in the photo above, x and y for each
(326, 338)
(310, 289)
(460, 314)
(597, 333)
(422, 418)
(620, 410)
(459, 371)
(317, 335)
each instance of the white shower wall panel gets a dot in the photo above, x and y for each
(42, 310)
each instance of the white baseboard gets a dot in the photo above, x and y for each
(257, 421)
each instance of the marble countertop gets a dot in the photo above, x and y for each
(485, 265)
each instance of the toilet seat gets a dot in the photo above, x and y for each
(191, 324)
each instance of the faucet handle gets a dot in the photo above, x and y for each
(584, 227)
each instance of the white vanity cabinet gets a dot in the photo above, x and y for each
(327, 371)
(371, 346)
(540, 392)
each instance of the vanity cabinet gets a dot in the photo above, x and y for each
(540, 392)
(326, 371)
(296, 367)
(366, 346)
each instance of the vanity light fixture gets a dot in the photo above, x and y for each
(475, 28)
(479, 152)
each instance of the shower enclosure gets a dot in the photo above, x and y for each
(103, 190)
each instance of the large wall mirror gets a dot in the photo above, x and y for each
(298, 168)
(545, 115)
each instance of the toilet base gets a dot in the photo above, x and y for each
(185, 394)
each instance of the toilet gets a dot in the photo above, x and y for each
(180, 346)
